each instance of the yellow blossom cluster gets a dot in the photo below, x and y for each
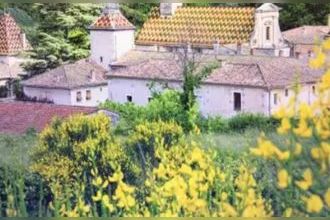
(186, 178)
(304, 161)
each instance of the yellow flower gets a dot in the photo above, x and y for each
(283, 179)
(285, 126)
(327, 197)
(318, 61)
(185, 169)
(98, 196)
(303, 130)
(308, 180)
(117, 176)
(282, 155)
(314, 203)
(229, 210)
(325, 81)
(298, 149)
(326, 45)
(315, 152)
(288, 212)
(305, 111)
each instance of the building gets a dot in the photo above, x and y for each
(240, 84)
(255, 71)
(12, 43)
(82, 83)
(303, 39)
(18, 117)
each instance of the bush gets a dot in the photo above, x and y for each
(167, 107)
(68, 152)
(244, 121)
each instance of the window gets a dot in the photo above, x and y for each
(309, 53)
(275, 99)
(101, 59)
(78, 96)
(237, 101)
(280, 53)
(313, 89)
(286, 93)
(267, 33)
(129, 98)
(88, 95)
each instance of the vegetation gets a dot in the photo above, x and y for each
(154, 163)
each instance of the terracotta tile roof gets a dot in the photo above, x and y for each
(265, 72)
(306, 34)
(11, 41)
(199, 26)
(82, 73)
(112, 21)
(17, 117)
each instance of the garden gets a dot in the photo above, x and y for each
(165, 159)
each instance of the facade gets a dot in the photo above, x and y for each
(12, 43)
(240, 84)
(81, 83)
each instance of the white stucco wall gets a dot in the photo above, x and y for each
(69, 97)
(110, 45)
(306, 95)
(58, 96)
(213, 99)
(98, 95)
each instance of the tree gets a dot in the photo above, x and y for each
(193, 74)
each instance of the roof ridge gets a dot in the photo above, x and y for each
(262, 75)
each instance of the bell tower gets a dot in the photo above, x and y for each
(267, 36)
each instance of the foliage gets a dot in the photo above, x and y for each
(304, 160)
(167, 106)
(61, 33)
(67, 152)
(244, 121)
(299, 14)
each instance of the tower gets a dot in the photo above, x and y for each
(267, 37)
(112, 35)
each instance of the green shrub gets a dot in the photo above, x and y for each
(244, 121)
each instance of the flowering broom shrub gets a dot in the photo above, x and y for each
(68, 151)
(303, 162)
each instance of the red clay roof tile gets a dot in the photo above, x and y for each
(17, 117)
(11, 41)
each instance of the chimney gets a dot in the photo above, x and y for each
(111, 8)
(23, 40)
(168, 9)
(216, 47)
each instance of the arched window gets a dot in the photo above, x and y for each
(267, 33)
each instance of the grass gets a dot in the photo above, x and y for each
(15, 149)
